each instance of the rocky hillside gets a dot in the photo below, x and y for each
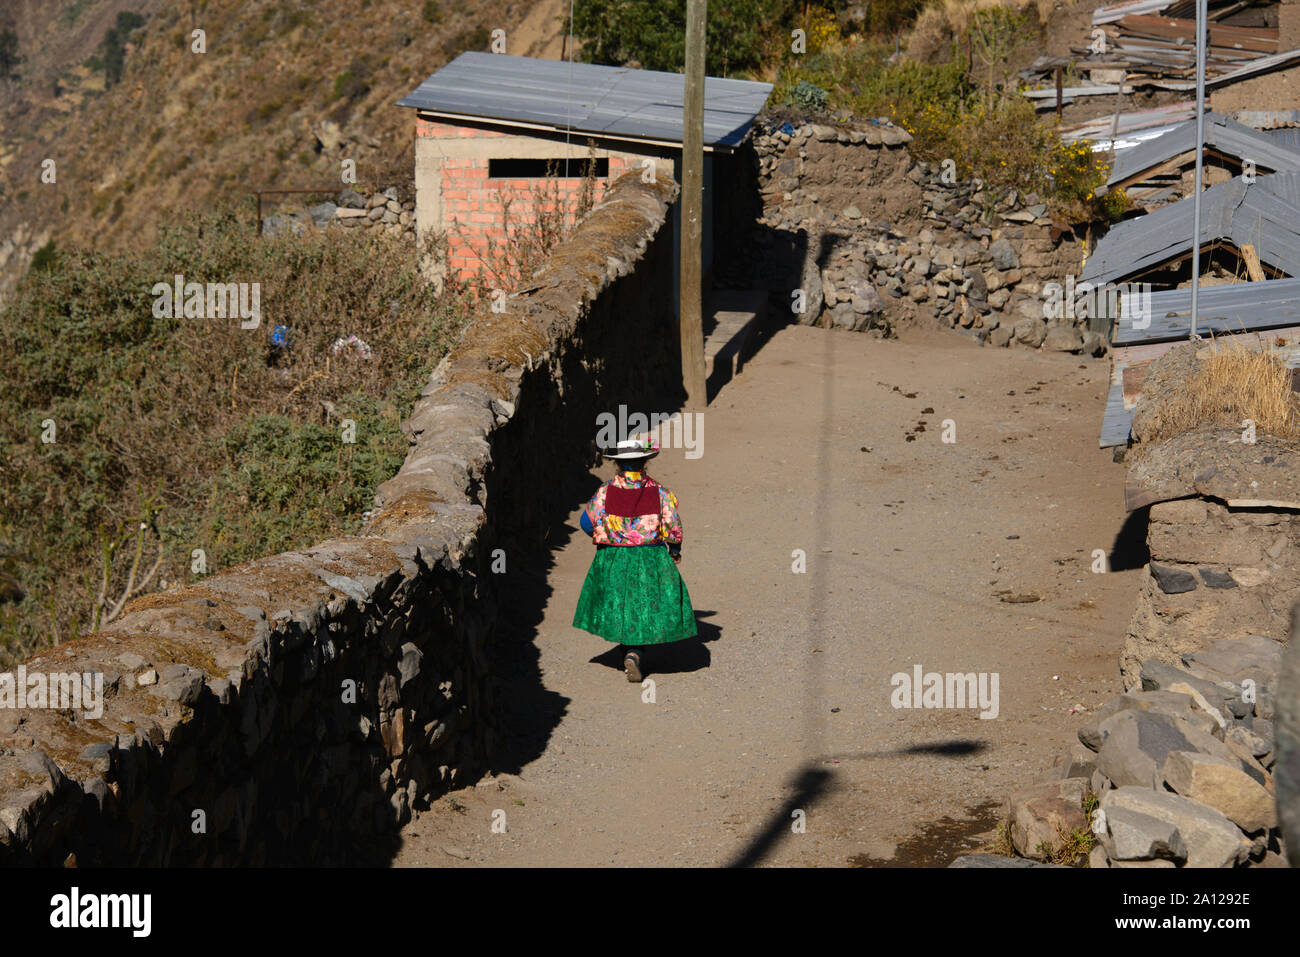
(282, 93)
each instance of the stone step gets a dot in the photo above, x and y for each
(730, 318)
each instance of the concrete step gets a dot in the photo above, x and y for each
(730, 318)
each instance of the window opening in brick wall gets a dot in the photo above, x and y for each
(540, 168)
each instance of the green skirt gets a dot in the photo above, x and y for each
(634, 595)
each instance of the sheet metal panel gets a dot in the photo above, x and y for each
(1239, 307)
(1265, 214)
(586, 97)
(1227, 136)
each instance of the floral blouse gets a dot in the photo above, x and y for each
(663, 526)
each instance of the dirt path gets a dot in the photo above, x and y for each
(787, 704)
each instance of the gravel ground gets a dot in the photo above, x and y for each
(774, 741)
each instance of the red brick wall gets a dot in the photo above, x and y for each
(473, 205)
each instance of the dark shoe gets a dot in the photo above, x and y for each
(632, 667)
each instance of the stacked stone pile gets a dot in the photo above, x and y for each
(890, 238)
(1176, 773)
(384, 210)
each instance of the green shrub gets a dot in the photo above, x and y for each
(738, 33)
(354, 82)
(9, 58)
(73, 11)
(475, 38)
(809, 97)
(45, 257)
(113, 46)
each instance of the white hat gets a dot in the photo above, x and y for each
(632, 449)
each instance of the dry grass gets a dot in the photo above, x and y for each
(945, 21)
(1229, 383)
(176, 434)
(183, 131)
(959, 13)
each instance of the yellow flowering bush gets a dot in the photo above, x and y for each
(823, 30)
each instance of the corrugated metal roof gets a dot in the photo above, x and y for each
(1284, 186)
(1227, 136)
(1112, 13)
(1287, 137)
(586, 98)
(1257, 67)
(1265, 215)
(1270, 120)
(1239, 307)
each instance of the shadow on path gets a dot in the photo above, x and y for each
(1130, 547)
(814, 783)
(679, 657)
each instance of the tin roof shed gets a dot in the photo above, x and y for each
(617, 102)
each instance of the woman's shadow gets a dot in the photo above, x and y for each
(679, 657)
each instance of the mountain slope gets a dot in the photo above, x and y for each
(280, 97)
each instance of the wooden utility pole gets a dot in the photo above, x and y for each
(1201, 15)
(692, 173)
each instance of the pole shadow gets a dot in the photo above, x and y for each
(813, 783)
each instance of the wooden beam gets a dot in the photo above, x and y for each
(1251, 258)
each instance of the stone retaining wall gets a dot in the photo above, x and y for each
(1215, 572)
(1223, 531)
(385, 210)
(295, 709)
(887, 238)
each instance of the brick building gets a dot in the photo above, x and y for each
(497, 132)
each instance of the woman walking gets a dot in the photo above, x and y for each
(633, 595)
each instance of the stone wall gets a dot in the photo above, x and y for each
(1215, 571)
(879, 238)
(389, 210)
(1177, 772)
(1196, 764)
(296, 709)
(386, 210)
(1223, 526)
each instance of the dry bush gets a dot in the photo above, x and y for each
(932, 38)
(959, 14)
(170, 434)
(1227, 383)
(945, 22)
